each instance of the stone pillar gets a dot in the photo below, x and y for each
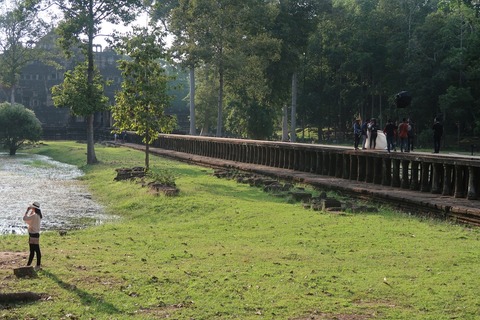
(369, 171)
(405, 183)
(447, 180)
(396, 173)
(472, 180)
(277, 157)
(301, 160)
(353, 167)
(308, 167)
(311, 161)
(326, 162)
(280, 155)
(414, 184)
(346, 166)
(425, 175)
(332, 164)
(339, 165)
(459, 182)
(387, 171)
(436, 178)
(362, 168)
(289, 159)
(295, 159)
(377, 170)
(318, 166)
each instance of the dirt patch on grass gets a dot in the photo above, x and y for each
(11, 260)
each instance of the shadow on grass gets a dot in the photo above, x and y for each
(85, 297)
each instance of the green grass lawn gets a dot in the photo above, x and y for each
(222, 250)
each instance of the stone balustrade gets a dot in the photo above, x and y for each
(447, 175)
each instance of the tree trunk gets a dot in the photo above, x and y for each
(192, 102)
(285, 123)
(91, 157)
(147, 157)
(12, 94)
(220, 105)
(293, 120)
(147, 151)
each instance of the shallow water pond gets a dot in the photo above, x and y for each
(65, 202)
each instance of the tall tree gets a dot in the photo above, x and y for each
(140, 105)
(294, 25)
(20, 28)
(81, 24)
(176, 18)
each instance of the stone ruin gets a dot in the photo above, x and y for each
(129, 173)
(297, 194)
(139, 174)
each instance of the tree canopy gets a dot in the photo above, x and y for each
(20, 28)
(327, 61)
(17, 125)
(83, 98)
(349, 57)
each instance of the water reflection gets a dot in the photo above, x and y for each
(65, 202)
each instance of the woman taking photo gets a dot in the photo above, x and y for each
(33, 217)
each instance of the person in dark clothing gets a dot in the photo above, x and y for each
(372, 127)
(411, 134)
(437, 135)
(357, 133)
(364, 133)
(389, 131)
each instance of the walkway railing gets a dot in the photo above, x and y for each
(449, 175)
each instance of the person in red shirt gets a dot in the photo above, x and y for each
(403, 135)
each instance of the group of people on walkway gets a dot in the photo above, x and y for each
(366, 134)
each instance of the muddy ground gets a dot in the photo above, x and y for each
(11, 260)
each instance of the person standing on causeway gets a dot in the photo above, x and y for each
(33, 218)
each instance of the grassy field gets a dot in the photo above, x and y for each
(222, 250)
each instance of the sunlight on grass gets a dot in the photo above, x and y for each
(222, 250)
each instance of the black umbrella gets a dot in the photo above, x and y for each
(403, 99)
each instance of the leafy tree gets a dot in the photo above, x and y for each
(253, 121)
(295, 22)
(20, 28)
(214, 31)
(176, 17)
(82, 97)
(17, 125)
(140, 105)
(206, 99)
(81, 24)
